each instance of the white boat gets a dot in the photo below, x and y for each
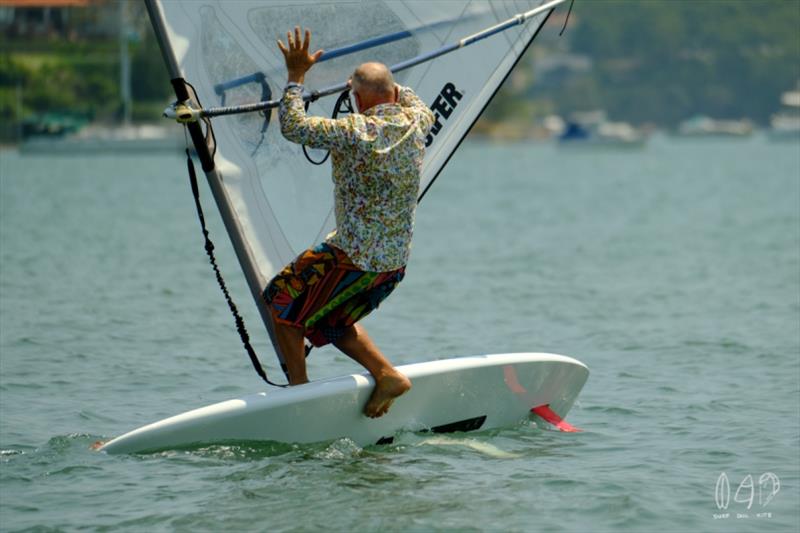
(785, 125)
(594, 130)
(96, 139)
(703, 126)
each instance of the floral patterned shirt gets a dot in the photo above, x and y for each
(377, 159)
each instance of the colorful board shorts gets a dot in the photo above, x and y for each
(324, 293)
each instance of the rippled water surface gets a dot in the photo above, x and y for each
(672, 272)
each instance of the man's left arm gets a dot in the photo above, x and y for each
(296, 126)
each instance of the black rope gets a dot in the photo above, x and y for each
(566, 19)
(343, 105)
(209, 246)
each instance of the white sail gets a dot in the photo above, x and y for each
(275, 202)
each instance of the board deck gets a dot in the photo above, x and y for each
(460, 394)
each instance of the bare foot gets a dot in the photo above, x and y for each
(97, 445)
(388, 387)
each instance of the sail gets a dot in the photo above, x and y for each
(274, 200)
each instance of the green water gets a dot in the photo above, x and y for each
(672, 272)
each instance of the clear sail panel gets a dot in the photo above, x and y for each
(227, 50)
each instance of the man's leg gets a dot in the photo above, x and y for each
(389, 383)
(291, 344)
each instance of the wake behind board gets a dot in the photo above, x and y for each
(461, 394)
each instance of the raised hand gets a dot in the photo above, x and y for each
(298, 60)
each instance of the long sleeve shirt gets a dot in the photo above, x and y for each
(377, 159)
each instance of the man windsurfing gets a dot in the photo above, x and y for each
(376, 157)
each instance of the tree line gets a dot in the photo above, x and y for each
(661, 61)
(653, 61)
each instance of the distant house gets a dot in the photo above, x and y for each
(69, 19)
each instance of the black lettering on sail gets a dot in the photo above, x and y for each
(442, 107)
(451, 94)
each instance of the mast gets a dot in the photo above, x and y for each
(124, 63)
(254, 279)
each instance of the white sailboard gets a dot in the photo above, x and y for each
(463, 394)
(276, 199)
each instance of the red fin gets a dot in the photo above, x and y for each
(549, 415)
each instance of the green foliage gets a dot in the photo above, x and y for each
(149, 76)
(655, 61)
(11, 72)
(665, 60)
(80, 78)
(58, 84)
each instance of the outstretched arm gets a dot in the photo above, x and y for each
(296, 126)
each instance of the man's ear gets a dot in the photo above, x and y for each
(358, 101)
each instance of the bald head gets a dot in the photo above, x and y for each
(373, 80)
